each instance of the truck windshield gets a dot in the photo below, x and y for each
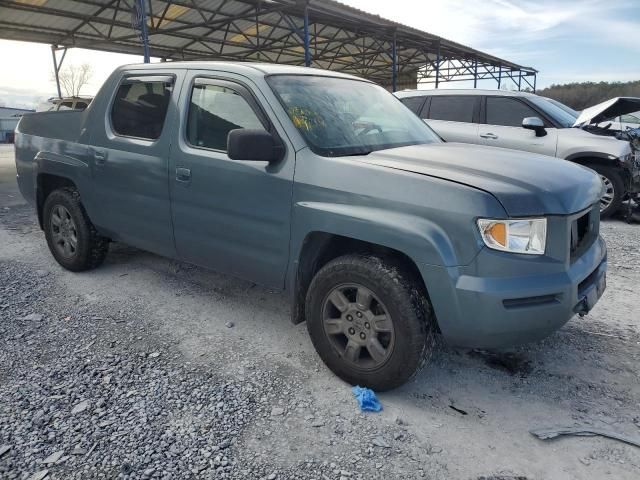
(341, 117)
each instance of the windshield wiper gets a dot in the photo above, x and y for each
(361, 153)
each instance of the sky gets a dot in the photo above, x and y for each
(566, 40)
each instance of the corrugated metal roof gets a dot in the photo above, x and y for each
(341, 37)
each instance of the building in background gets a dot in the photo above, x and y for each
(9, 118)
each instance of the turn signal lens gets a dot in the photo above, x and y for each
(527, 236)
(498, 233)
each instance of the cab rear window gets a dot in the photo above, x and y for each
(140, 106)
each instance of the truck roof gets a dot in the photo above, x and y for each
(245, 68)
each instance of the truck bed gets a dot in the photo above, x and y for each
(64, 125)
(55, 135)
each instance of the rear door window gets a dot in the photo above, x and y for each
(453, 108)
(413, 103)
(214, 111)
(508, 112)
(140, 106)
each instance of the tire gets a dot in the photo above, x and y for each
(615, 190)
(390, 289)
(66, 220)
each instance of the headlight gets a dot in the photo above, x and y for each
(516, 236)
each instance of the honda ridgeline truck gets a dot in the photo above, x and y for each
(325, 185)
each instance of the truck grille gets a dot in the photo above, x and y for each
(582, 234)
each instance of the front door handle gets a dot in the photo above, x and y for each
(491, 136)
(183, 174)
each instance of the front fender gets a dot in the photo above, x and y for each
(420, 239)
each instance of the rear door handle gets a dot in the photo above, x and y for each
(489, 135)
(183, 174)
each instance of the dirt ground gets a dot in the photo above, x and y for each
(466, 416)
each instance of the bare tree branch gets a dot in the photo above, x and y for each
(73, 78)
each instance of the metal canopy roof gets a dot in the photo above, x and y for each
(338, 37)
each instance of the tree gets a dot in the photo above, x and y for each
(73, 78)
(582, 95)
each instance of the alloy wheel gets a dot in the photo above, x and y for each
(358, 326)
(608, 195)
(63, 231)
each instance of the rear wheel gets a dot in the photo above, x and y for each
(72, 238)
(369, 321)
(613, 192)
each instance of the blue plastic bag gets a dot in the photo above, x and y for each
(366, 399)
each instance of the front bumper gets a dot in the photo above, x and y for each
(498, 311)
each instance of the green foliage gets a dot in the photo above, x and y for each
(582, 95)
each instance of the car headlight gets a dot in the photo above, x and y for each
(527, 235)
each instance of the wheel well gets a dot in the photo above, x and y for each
(47, 183)
(599, 161)
(319, 248)
(603, 162)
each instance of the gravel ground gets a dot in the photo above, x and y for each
(151, 368)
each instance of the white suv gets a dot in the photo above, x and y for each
(523, 121)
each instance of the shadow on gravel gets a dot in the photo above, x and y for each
(513, 363)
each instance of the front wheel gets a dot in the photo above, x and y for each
(613, 192)
(369, 321)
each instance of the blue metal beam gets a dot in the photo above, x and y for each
(438, 65)
(307, 50)
(394, 57)
(144, 34)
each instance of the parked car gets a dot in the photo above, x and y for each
(623, 122)
(524, 121)
(618, 123)
(54, 104)
(326, 186)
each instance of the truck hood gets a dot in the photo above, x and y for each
(607, 110)
(524, 183)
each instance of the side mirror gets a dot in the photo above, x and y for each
(253, 145)
(535, 124)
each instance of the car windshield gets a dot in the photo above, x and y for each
(340, 116)
(566, 117)
(633, 118)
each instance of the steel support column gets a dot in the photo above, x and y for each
(475, 73)
(519, 79)
(307, 48)
(499, 76)
(438, 65)
(57, 65)
(394, 64)
(535, 77)
(144, 34)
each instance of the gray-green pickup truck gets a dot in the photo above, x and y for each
(325, 185)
